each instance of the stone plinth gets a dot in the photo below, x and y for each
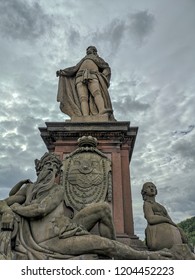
(116, 140)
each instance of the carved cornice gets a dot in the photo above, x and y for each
(111, 132)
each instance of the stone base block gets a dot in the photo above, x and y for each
(96, 118)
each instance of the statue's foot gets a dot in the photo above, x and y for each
(160, 255)
(182, 252)
(105, 111)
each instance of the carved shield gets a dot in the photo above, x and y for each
(87, 177)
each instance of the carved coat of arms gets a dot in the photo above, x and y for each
(87, 175)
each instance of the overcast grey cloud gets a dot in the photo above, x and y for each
(23, 20)
(150, 46)
(141, 24)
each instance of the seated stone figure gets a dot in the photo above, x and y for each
(36, 224)
(161, 231)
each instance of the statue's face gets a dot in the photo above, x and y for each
(48, 166)
(91, 51)
(150, 189)
(48, 163)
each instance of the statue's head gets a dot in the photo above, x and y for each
(48, 161)
(91, 50)
(148, 189)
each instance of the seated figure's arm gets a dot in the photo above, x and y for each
(16, 195)
(19, 197)
(153, 219)
(47, 205)
(171, 221)
(18, 186)
(7, 218)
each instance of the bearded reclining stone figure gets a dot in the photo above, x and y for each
(36, 224)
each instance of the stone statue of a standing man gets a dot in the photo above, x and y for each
(83, 88)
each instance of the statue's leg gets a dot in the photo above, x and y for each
(94, 89)
(94, 244)
(97, 213)
(83, 97)
(78, 245)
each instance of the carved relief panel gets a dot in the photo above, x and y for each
(86, 175)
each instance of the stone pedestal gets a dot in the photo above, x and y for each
(116, 140)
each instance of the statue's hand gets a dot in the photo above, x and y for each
(27, 181)
(58, 73)
(15, 206)
(7, 220)
(22, 182)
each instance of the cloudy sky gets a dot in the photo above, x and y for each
(150, 46)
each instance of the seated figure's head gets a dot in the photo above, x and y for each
(148, 190)
(48, 161)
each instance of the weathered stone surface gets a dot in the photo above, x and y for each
(97, 118)
(87, 175)
(83, 89)
(182, 252)
(161, 231)
(116, 140)
(36, 225)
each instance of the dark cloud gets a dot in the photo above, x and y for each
(20, 145)
(115, 32)
(185, 131)
(29, 104)
(152, 85)
(185, 148)
(106, 34)
(23, 138)
(126, 103)
(13, 173)
(126, 85)
(184, 197)
(74, 37)
(21, 20)
(111, 36)
(140, 25)
(136, 26)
